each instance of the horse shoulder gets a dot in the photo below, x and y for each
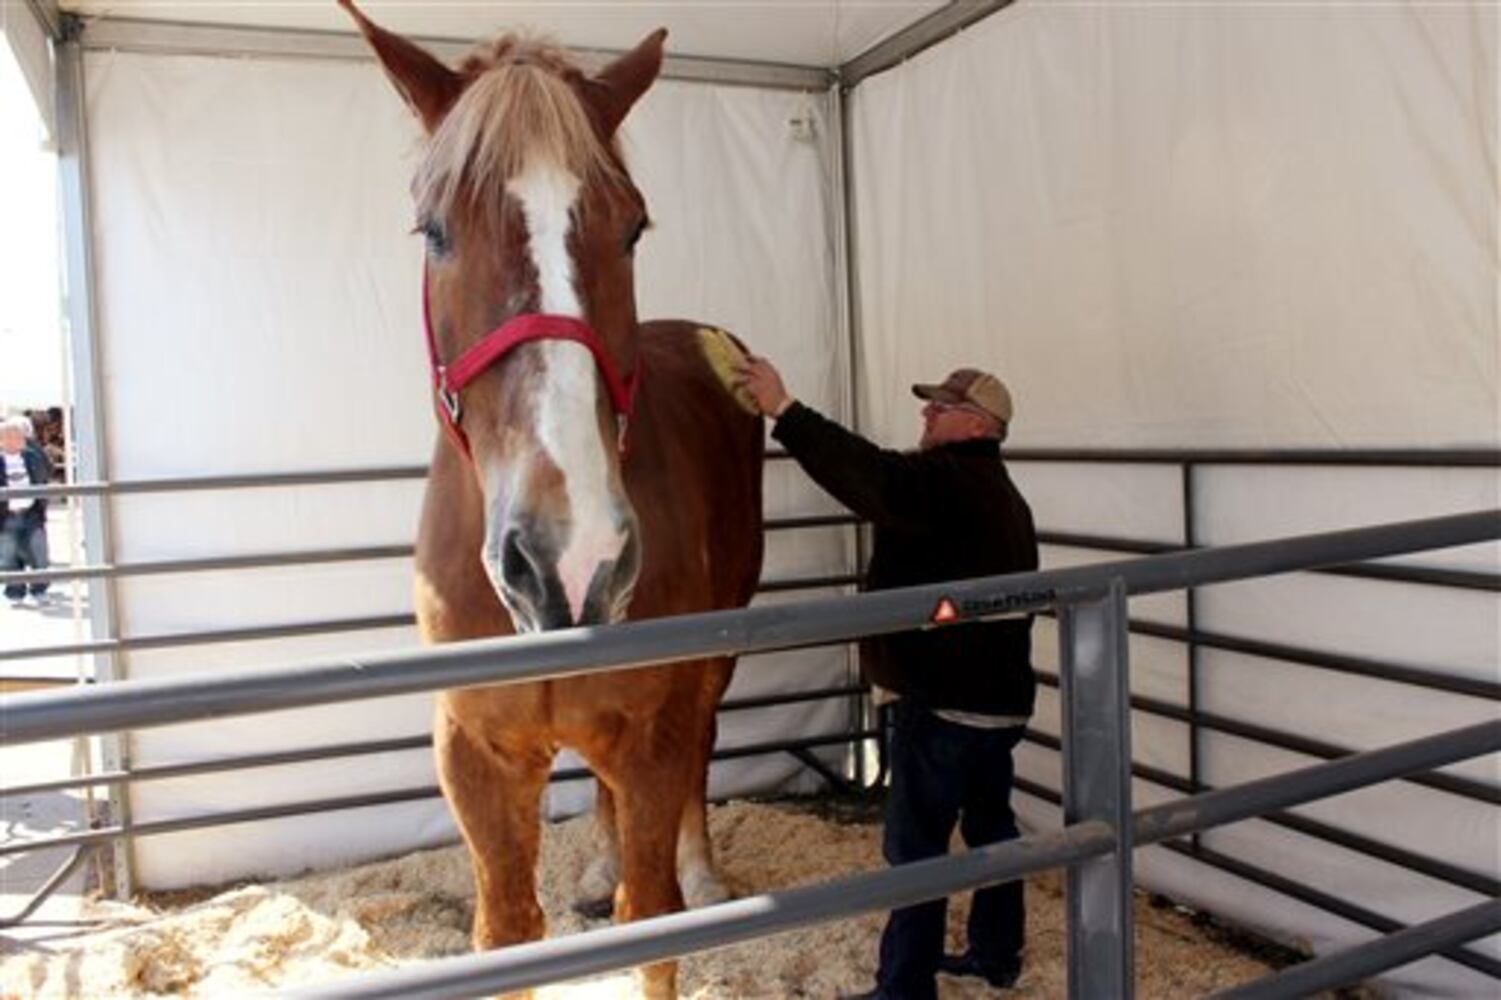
(452, 594)
(705, 460)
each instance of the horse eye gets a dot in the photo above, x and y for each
(437, 237)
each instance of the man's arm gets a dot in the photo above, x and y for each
(883, 486)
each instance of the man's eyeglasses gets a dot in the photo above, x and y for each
(941, 407)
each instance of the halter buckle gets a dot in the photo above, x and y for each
(448, 398)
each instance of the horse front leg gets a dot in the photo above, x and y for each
(699, 881)
(496, 796)
(595, 897)
(650, 787)
(695, 858)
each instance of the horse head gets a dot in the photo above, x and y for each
(531, 222)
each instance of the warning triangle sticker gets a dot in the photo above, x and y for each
(945, 612)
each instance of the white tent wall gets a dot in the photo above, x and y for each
(1222, 226)
(1208, 224)
(32, 375)
(258, 311)
(27, 37)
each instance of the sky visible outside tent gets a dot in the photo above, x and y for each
(31, 351)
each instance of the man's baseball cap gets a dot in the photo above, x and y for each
(970, 386)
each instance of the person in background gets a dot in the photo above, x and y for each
(48, 433)
(23, 522)
(964, 691)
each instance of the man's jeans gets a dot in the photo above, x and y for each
(941, 773)
(23, 545)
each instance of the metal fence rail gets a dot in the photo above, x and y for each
(622, 946)
(1193, 637)
(304, 755)
(1340, 662)
(1463, 787)
(204, 821)
(109, 572)
(1245, 801)
(1430, 576)
(252, 480)
(1298, 891)
(1091, 605)
(1460, 458)
(661, 938)
(1389, 952)
(1456, 578)
(37, 716)
(308, 557)
(1442, 871)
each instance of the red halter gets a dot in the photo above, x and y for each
(449, 380)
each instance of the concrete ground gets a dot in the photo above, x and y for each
(37, 815)
(60, 618)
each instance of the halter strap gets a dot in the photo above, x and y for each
(450, 379)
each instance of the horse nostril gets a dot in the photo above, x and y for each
(614, 590)
(518, 570)
(628, 566)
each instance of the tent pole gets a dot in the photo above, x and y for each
(48, 16)
(847, 312)
(948, 20)
(90, 450)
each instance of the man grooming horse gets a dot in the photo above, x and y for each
(964, 692)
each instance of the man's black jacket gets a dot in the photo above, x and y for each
(945, 513)
(39, 471)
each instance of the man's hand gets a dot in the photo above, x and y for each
(760, 378)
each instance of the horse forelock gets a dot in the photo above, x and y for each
(520, 108)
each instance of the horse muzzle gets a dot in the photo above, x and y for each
(550, 577)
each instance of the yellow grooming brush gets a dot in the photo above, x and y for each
(723, 355)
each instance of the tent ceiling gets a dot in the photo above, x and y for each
(799, 32)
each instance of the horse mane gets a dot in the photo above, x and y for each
(521, 104)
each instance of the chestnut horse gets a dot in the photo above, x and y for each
(590, 469)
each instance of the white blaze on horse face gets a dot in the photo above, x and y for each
(568, 428)
(566, 421)
(547, 193)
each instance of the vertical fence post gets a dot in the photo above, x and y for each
(1095, 687)
(1191, 625)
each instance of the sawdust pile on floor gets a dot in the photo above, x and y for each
(398, 912)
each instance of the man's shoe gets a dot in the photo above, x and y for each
(968, 965)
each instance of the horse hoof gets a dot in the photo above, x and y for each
(601, 908)
(699, 892)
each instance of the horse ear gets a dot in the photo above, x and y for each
(428, 86)
(619, 85)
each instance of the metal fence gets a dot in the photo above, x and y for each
(120, 829)
(1191, 466)
(117, 828)
(1101, 830)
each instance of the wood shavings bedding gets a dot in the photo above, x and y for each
(326, 926)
